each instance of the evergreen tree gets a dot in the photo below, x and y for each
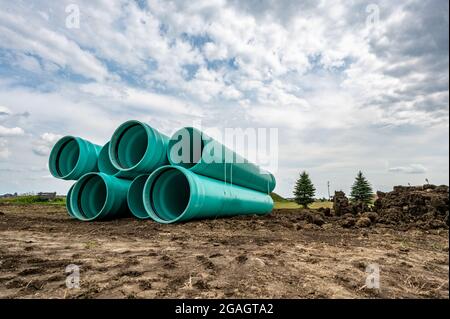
(361, 190)
(304, 190)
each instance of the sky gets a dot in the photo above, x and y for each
(348, 85)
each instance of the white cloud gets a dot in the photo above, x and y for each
(18, 33)
(215, 52)
(44, 144)
(11, 131)
(4, 110)
(410, 169)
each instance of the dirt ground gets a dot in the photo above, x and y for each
(277, 256)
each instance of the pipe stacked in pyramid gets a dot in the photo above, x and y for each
(142, 172)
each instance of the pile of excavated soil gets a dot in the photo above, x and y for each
(424, 207)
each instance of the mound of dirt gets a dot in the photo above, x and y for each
(342, 206)
(425, 206)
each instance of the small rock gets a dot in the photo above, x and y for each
(327, 226)
(348, 222)
(363, 222)
(309, 226)
(241, 259)
(201, 284)
(257, 262)
(371, 215)
(318, 220)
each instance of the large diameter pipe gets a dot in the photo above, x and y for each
(72, 157)
(174, 194)
(99, 196)
(104, 162)
(135, 197)
(68, 207)
(201, 154)
(137, 148)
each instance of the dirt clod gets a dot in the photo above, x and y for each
(348, 222)
(363, 222)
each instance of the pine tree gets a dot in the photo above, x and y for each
(304, 190)
(361, 190)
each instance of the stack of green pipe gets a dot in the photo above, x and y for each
(142, 171)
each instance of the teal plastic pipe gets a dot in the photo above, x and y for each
(68, 207)
(174, 194)
(72, 157)
(137, 148)
(104, 162)
(194, 150)
(135, 197)
(99, 196)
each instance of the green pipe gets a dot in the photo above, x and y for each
(99, 196)
(135, 197)
(137, 148)
(68, 207)
(104, 162)
(174, 194)
(194, 150)
(72, 157)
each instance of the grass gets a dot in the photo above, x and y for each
(283, 203)
(278, 198)
(280, 202)
(33, 199)
(294, 205)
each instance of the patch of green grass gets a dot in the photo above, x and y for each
(278, 198)
(294, 205)
(33, 199)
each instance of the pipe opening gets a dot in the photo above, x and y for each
(170, 194)
(131, 145)
(92, 196)
(104, 162)
(186, 147)
(64, 157)
(135, 197)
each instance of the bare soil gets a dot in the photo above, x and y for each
(282, 255)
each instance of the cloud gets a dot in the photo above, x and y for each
(4, 111)
(44, 144)
(27, 35)
(344, 94)
(11, 131)
(410, 169)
